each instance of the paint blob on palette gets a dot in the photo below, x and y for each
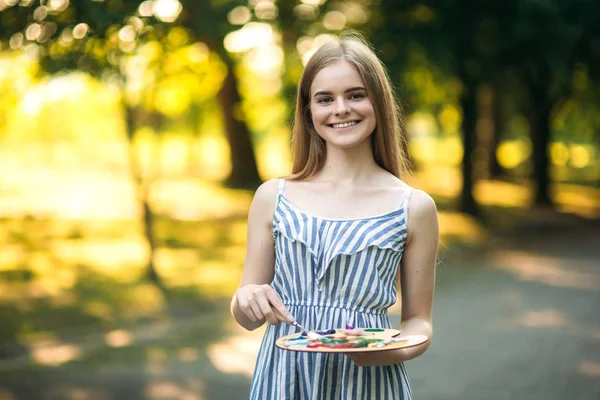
(339, 341)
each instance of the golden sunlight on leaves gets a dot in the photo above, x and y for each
(421, 124)
(461, 226)
(265, 61)
(511, 153)
(166, 10)
(190, 199)
(239, 15)
(449, 118)
(305, 11)
(502, 193)
(581, 156)
(334, 20)
(355, 14)
(219, 279)
(198, 52)
(449, 150)
(176, 258)
(310, 45)
(213, 277)
(237, 233)
(150, 51)
(545, 270)
(265, 9)
(213, 153)
(313, 2)
(253, 34)
(175, 154)
(172, 96)
(426, 148)
(114, 257)
(578, 200)
(178, 37)
(559, 154)
(145, 8)
(438, 181)
(274, 157)
(423, 149)
(11, 256)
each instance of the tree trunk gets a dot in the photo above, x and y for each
(244, 171)
(494, 167)
(142, 197)
(539, 122)
(468, 102)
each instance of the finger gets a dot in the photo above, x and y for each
(255, 308)
(244, 305)
(267, 310)
(283, 312)
(282, 317)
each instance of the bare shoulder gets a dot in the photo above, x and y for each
(267, 191)
(421, 204)
(422, 212)
(422, 218)
(265, 198)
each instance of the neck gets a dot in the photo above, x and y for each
(348, 165)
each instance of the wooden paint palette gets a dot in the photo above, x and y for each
(337, 341)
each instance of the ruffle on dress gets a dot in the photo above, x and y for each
(325, 239)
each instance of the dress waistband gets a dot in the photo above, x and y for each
(363, 310)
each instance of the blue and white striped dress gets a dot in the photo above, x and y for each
(331, 273)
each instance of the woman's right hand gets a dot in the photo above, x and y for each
(260, 302)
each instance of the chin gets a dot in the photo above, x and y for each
(348, 142)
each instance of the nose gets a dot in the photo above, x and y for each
(342, 107)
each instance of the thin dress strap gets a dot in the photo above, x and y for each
(403, 201)
(281, 187)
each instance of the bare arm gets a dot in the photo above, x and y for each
(255, 301)
(417, 278)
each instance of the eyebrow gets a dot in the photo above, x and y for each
(353, 89)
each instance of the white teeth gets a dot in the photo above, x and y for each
(344, 125)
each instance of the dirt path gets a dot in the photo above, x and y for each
(518, 322)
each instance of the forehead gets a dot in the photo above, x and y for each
(336, 76)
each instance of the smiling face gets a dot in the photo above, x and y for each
(341, 110)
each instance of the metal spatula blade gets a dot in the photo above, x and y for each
(311, 335)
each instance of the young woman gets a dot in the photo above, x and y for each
(327, 244)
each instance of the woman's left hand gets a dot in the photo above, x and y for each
(364, 359)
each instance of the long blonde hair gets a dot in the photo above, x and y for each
(309, 149)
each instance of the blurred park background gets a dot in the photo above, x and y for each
(133, 134)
